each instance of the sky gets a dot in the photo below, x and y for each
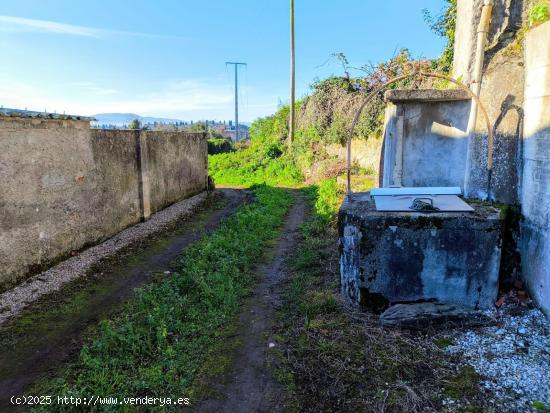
(167, 57)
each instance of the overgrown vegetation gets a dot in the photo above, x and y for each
(219, 145)
(538, 13)
(264, 160)
(324, 119)
(159, 340)
(444, 25)
(330, 359)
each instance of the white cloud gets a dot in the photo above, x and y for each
(186, 99)
(93, 88)
(12, 24)
(196, 96)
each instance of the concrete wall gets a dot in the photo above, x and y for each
(65, 186)
(400, 257)
(176, 163)
(501, 94)
(425, 138)
(366, 154)
(535, 187)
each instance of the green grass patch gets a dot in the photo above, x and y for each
(159, 341)
(463, 384)
(443, 342)
(266, 159)
(540, 406)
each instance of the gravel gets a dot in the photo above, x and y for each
(513, 357)
(14, 300)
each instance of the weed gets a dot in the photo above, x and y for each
(538, 13)
(464, 384)
(444, 342)
(540, 406)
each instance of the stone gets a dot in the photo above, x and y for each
(419, 315)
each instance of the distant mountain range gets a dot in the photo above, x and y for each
(122, 119)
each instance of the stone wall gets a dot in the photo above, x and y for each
(65, 186)
(364, 153)
(535, 186)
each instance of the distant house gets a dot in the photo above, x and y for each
(229, 131)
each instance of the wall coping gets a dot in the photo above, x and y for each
(425, 95)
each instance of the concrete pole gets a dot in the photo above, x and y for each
(482, 33)
(291, 120)
(236, 106)
(236, 64)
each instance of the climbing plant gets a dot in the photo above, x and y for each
(444, 25)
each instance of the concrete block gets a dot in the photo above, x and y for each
(403, 257)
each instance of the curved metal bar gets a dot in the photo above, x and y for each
(425, 74)
(358, 114)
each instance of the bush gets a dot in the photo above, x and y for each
(216, 146)
(538, 13)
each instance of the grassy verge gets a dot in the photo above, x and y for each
(160, 339)
(331, 359)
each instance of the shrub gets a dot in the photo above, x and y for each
(216, 146)
(538, 13)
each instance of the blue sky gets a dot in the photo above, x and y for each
(166, 57)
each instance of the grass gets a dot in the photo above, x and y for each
(538, 13)
(332, 359)
(161, 338)
(251, 166)
(264, 161)
(443, 342)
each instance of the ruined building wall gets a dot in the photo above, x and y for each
(65, 186)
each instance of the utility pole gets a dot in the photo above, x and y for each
(236, 64)
(291, 120)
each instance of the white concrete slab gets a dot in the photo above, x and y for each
(402, 203)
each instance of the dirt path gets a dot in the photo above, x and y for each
(249, 387)
(48, 332)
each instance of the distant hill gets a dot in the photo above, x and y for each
(122, 119)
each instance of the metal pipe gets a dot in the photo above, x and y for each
(482, 34)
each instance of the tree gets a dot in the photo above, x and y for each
(134, 124)
(444, 25)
